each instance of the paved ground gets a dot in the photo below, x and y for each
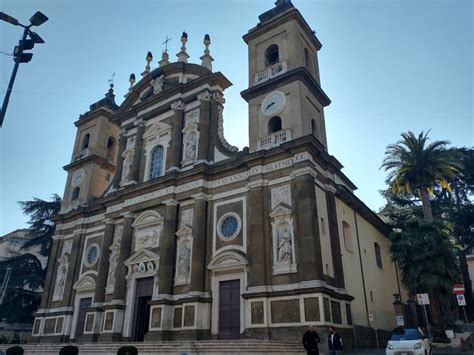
(382, 352)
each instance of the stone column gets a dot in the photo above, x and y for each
(258, 246)
(51, 271)
(137, 152)
(125, 248)
(174, 153)
(204, 126)
(307, 240)
(335, 242)
(198, 268)
(102, 273)
(168, 248)
(118, 168)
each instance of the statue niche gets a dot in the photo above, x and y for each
(190, 137)
(284, 260)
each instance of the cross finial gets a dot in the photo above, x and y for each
(166, 43)
(111, 80)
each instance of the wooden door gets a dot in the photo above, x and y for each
(141, 309)
(84, 303)
(229, 309)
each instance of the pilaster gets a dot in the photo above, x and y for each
(51, 270)
(74, 268)
(335, 242)
(198, 268)
(118, 168)
(99, 293)
(168, 248)
(205, 152)
(126, 246)
(173, 156)
(308, 244)
(137, 152)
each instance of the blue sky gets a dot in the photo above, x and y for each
(388, 67)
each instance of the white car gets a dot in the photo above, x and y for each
(408, 341)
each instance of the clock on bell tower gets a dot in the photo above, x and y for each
(284, 95)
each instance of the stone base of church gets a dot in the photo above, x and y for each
(110, 337)
(182, 335)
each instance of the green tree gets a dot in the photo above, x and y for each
(424, 252)
(41, 222)
(27, 275)
(416, 167)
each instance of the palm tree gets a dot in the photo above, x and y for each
(416, 167)
(424, 252)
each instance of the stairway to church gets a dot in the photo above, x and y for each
(240, 347)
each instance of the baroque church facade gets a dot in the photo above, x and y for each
(169, 232)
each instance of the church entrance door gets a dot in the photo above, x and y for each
(84, 303)
(229, 309)
(141, 313)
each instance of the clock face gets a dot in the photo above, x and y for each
(77, 177)
(273, 103)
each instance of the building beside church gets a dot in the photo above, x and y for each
(168, 232)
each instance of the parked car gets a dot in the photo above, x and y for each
(408, 341)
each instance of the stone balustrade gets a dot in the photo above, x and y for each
(270, 72)
(274, 139)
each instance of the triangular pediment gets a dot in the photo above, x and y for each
(142, 256)
(282, 209)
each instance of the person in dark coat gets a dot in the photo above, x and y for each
(334, 342)
(311, 340)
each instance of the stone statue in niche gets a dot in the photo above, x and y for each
(158, 84)
(184, 258)
(113, 262)
(191, 143)
(285, 249)
(60, 283)
(127, 167)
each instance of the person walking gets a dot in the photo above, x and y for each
(311, 340)
(334, 342)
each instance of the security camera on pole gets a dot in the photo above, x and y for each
(19, 54)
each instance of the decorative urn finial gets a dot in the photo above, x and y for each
(182, 55)
(131, 80)
(206, 58)
(149, 58)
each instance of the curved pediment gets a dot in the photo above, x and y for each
(228, 259)
(161, 80)
(148, 218)
(85, 283)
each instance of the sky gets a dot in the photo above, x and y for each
(389, 66)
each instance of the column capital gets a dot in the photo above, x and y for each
(178, 105)
(204, 96)
(128, 214)
(171, 202)
(109, 221)
(139, 122)
(201, 196)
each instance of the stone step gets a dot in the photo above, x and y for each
(237, 347)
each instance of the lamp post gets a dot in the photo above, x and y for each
(19, 55)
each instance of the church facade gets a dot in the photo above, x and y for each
(168, 232)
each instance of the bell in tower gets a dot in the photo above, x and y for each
(285, 99)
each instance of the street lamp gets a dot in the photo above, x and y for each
(19, 56)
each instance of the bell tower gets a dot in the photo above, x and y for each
(94, 155)
(285, 99)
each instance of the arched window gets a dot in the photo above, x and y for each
(313, 126)
(347, 235)
(271, 55)
(110, 147)
(156, 162)
(86, 141)
(378, 255)
(307, 59)
(75, 194)
(274, 125)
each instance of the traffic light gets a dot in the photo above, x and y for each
(19, 55)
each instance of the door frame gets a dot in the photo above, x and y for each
(242, 277)
(75, 317)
